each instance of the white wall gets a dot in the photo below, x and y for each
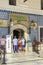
(34, 4)
(30, 6)
(4, 3)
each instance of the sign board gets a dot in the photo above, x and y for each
(19, 19)
(8, 43)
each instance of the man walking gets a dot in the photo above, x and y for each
(15, 44)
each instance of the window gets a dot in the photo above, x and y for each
(12, 2)
(41, 4)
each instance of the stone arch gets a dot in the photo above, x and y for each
(18, 26)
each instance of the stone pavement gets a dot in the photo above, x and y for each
(24, 58)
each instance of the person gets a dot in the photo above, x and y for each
(3, 43)
(34, 44)
(20, 43)
(15, 44)
(3, 47)
(23, 43)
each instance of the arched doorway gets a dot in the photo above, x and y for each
(19, 28)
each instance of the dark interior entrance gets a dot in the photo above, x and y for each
(18, 32)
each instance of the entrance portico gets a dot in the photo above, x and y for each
(19, 25)
(18, 28)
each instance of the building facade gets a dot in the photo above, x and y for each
(16, 17)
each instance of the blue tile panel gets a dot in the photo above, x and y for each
(39, 20)
(3, 15)
(3, 31)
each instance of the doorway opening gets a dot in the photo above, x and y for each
(18, 32)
